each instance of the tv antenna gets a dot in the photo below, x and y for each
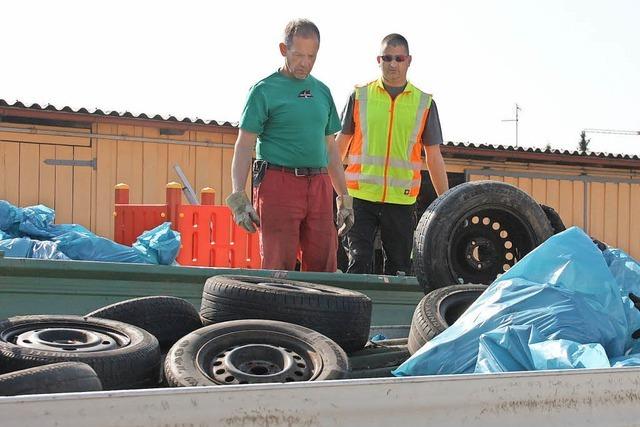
(515, 120)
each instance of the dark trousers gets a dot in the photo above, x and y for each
(396, 224)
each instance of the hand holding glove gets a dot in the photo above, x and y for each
(345, 216)
(243, 213)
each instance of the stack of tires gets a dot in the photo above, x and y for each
(248, 330)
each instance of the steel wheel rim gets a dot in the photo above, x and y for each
(486, 242)
(245, 357)
(65, 337)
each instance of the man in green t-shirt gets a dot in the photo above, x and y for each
(292, 117)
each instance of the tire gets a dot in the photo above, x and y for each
(438, 310)
(474, 232)
(66, 377)
(554, 219)
(340, 314)
(251, 352)
(122, 355)
(167, 318)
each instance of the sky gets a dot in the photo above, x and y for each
(569, 64)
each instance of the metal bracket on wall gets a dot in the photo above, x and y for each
(68, 162)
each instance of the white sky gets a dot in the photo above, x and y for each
(570, 64)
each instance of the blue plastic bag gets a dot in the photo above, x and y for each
(73, 241)
(24, 247)
(626, 272)
(10, 218)
(564, 288)
(160, 245)
(523, 348)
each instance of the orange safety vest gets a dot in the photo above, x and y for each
(384, 160)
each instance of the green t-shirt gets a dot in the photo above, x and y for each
(292, 118)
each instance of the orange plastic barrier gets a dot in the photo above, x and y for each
(209, 236)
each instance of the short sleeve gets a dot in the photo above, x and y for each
(333, 124)
(255, 112)
(348, 122)
(432, 133)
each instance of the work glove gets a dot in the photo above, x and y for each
(243, 213)
(345, 216)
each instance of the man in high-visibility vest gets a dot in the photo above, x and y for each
(292, 118)
(386, 125)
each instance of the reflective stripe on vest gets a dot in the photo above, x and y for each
(385, 152)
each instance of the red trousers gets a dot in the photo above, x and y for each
(296, 212)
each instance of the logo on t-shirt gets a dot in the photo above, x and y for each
(305, 94)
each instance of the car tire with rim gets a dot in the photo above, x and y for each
(65, 377)
(122, 355)
(474, 232)
(341, 314)
(165, 317)
(252, 352)
(438, 310)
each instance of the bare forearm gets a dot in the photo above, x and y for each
(343, 141)
(437, 170)
(336, 171)
(241, 164)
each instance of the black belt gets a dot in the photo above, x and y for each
(298, 171)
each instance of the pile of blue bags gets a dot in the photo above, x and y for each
(31, 233)
(567, 304)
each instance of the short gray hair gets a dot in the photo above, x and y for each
(302, 28)
(395, 39)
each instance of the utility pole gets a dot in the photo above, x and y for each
(515, 120)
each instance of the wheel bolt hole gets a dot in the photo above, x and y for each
(297, 357)
(220, 371)
(229, 379)
(298, 373)
(106, 342)
(221, 355)
(218, 363)
(27, 341)
(301, 365)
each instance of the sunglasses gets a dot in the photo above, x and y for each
(389, 58)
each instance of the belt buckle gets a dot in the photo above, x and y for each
(296, 173)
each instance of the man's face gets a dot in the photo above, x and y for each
(300, 57)
(393, 70)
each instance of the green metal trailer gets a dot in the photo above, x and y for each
(32, 286)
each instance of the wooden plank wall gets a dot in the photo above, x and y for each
(83, 195)
(25, 179)
(610, 206)
(148, 166)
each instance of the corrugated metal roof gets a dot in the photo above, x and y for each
(590, 154)
(187, 120)
(125, 114)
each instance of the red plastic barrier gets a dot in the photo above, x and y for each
(209, 236)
